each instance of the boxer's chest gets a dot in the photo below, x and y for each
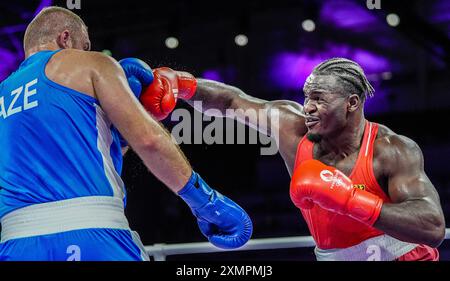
(343, 163)
(347, 164)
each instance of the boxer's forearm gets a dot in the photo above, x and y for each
(212, 94)
(416, 221)
(216, 95)
(165, 160)
(265, 116)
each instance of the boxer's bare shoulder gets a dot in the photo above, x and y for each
(395, 155)
(390, 146)
(75, 68)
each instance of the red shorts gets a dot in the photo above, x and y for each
(421, 253)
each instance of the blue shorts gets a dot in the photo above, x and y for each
(94, 244)
(92, 228)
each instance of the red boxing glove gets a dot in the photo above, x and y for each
(161, 96)
(316, 183)
(187, 85)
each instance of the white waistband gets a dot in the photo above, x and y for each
(64, 215)
(379, 248)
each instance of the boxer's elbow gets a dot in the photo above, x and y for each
(430, 228)
(436, 233)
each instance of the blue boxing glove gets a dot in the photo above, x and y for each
(139, 75)
(222, 221)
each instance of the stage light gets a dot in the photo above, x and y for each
(171, 42)
(308, 25)
(393, 20)
(241, 40)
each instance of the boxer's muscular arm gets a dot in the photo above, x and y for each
(415, 214)
(146, 136)
(290, 126)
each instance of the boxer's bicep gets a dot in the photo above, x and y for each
(286, 116)
(118, 102)
(414, 213)
(282, 120)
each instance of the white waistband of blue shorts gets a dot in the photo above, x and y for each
(64, 215)
(378, 248)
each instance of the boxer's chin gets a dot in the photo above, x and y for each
(314, 137)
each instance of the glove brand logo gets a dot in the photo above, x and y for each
(326, 175)
(359, 186)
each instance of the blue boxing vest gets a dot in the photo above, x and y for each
(55, 143)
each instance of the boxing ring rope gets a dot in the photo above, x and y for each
(160, 251)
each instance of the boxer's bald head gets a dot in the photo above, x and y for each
(55, 25)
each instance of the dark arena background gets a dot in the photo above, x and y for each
(266, 48)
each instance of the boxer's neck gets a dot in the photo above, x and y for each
(346, 141)
(44, 47)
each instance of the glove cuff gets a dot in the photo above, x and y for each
(196, 193)
(187, 85)
(364, 206)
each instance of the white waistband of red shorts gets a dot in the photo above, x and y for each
(378, 248)
(65, 215)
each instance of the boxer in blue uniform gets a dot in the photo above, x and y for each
(65, 115)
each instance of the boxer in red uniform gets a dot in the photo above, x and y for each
(360, 186)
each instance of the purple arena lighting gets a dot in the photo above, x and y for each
(212, 74)
(440, 11)
(42, 5)
(370, 62)
(11, 59)
(379, 103)
(290, 70)
(12, 29)
(9, 62)
(225, 74)
(347, 15)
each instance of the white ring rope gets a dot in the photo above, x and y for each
(161, 251)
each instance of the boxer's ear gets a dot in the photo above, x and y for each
(64, 40)
(353, 102)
